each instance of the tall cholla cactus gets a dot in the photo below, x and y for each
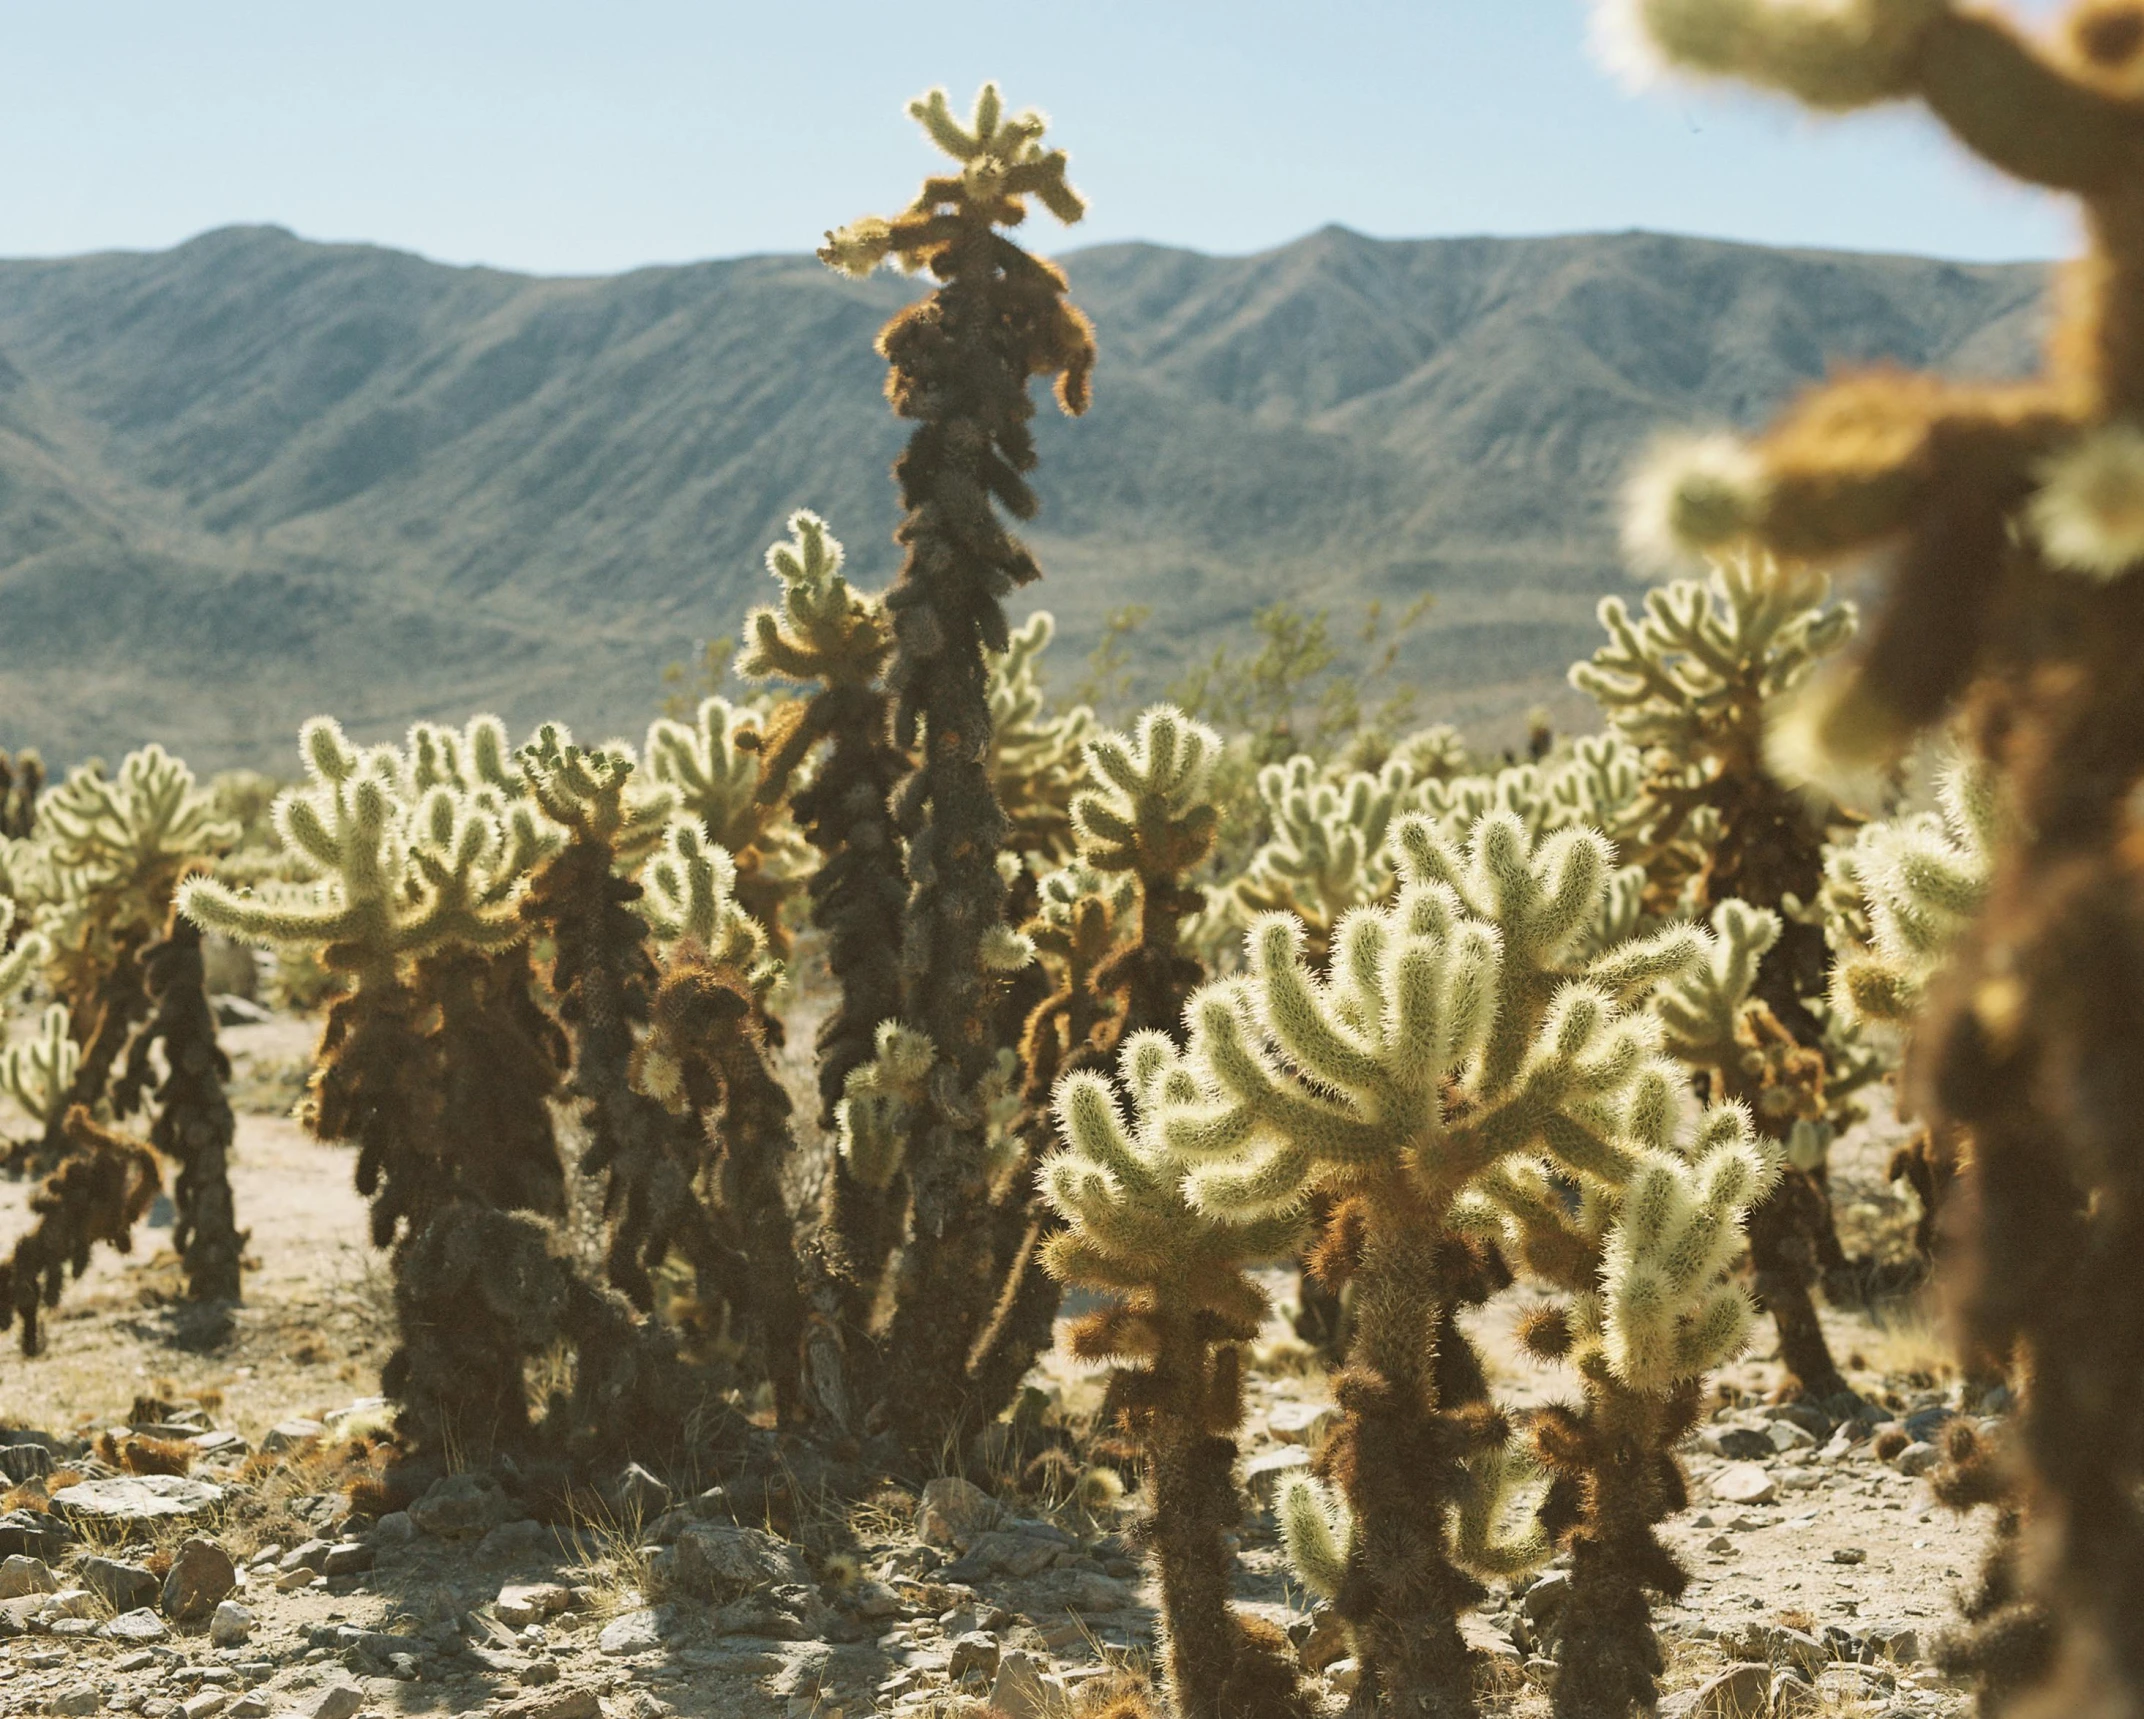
(961, 360)
(1181, 1307)
(1457, 1029)
(2009, 516)
(22, 779)
(827, 636)
(1038, 755)
(1327, 851)
(1697, 683)
(714, 767)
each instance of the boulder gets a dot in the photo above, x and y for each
(201, 1576)
(20, 1575)
(123, 1587)
(129, 1500)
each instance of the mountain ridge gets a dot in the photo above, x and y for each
(253, 475)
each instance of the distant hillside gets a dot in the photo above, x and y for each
(253, 477)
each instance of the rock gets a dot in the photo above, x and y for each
(21, 1462)
(1001, 1554)
(1743, 1483)
(1022, 1690)
(1917, 1459)
(522, 1603)
(363, 1410)
(309, 1555)
(512, 1540)
(1326, 1642)
(292, 1435)
(350, 1558)
(1263, 1473)
(70, 1603)
(1785, 1435)
(1093, 1593)
(1791, 1647)
(954, 1512)
(1302, 1423)
(290, 1581)
(75, 1701)
(1736, 1444)
(1792, 1695)
(33, 1534)
(711, 1561)
(136, 1627)
(394, 1529)
(230, 1625)
(1739, 1692)
(874, 1599)
(1343, 1675)
(634, 1632)
(1898, 1643)
(124, 1587)
(538, 1673)
(638, 1496)
(459, 1506)
(247, 1707)
(206, 1705)
(20, 1575)
(337, 1701)
(218, 1446)
(232, 1010)
(562, 1701)
(973, 1654)
(1848, 1555)
(201, 1575)
(128, 1499)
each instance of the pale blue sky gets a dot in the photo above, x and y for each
(573, 136)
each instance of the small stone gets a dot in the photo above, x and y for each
(307, 1555)
(206, 1705)
(711, 1561)
(1343, 1675)
(1326, 1642)
(1739, 1692)
(201, 1575)
(292, 1435)
(1022, 1690)
(1263, 1473)
(638, 1496)
(1917, 1459)
(1792, 1695)
(1302, 1423)
(1785, 1435)
(539, 1672)
(220, 1445)
(973, 1654)
(75, 1701)
(1898, 1643)
(632, 1632)
(337, 1701)
(1720, 1544)
(230, 1625)
(22, 1462)
(247, 1707)
(33, 1534)
(133, 1498)
(136, 1628)
(20, 1575)
(70, 1603)
(290, 1581)
(1791, 1647)
(1743, 1483)
(522, 1603)
(563, 1701)
(122, 1586)
(1735, 1443)
(954, 1512)
(511, 1541)
(394, 1529)
(874, 1599)
(459, 1506)
(1093, 1593)
(1848, 1555)
(349, 1558)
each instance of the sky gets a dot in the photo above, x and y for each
(600, 135)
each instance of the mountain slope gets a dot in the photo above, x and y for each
(253, 476)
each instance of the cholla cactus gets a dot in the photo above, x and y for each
(1697, 683)
(1181, 1306)
(38, 1072)
(22, 779)
(961, 360)
(706, 1056)
(1458, 1027)
(1038, 756)
(1922, 881)
(1327, 851)
(714, 767)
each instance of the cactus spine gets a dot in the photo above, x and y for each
(960, 365)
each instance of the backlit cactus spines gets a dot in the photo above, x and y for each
(1183, 1304)
(837, 642)
(960, 360)
(691, 897)
(1922, 880)
(1327, 851)
(38, 1072)
(1038, 756)
(21, 962)
(1457, 1028)
(879, 1109)
(714, 766)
